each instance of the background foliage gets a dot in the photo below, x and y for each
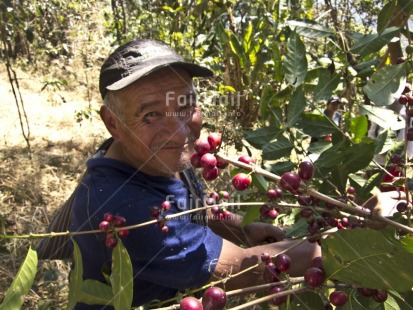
(275, 62)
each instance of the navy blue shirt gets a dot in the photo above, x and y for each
(163, 264)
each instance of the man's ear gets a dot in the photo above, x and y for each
(111, 122)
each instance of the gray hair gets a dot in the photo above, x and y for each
(113, 103)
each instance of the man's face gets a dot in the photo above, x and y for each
(333, 106)
(161, 121)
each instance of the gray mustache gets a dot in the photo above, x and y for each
(166, 144)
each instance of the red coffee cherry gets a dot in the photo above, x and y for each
(111, 242)
(351, 190)
(201, 146)
(283, 262)
(108, 217)
(196, 160)
(104, 226)
(277, 301)
(314, 277)
(123, 233)
(380, 296)
(166, 205)
(214, 140)
(274, 194)
(221, 164)
(241, 181)
(190, 303)
(214, 298)
(210, 174)
(338, 298)
(164, 229)
(403, 99)
(317, 262)
(224, 195)
(366, 292)
(119, 221)
(246, 159)
(208, 161)
(306, 170)
(290, 181)
(265, 257)
(272, 214)
(271, 273)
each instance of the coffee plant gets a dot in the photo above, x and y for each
(276, 63)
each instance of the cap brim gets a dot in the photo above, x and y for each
(193, 69)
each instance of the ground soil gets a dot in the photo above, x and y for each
(35, 181)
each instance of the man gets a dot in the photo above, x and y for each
(151, 111)
(331, 111)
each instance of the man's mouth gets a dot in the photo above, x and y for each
(172, 144)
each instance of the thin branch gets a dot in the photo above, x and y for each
(312, 192)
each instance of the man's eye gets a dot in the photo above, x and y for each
(150, 117)
(150, 114)
(187, 106)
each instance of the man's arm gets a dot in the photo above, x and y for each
(234, 259)
(252, 234)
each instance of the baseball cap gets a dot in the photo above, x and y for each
(334, 99)
(138, 58)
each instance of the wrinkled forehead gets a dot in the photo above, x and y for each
(166, 79)
(159, 86)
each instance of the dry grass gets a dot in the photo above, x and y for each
(33, 185)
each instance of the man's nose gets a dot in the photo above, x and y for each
(176, 124)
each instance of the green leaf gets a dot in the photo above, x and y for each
(306, 301)
(299, 229)
(14, 296)
(259, 182)
(267, 97)
(246, 42)
(122, 277)
(316, 125)
(261, 136)
(366, 258)
(279, 167)
(319, 147)
(284, 93)
(237, 49)
(276, 117)
(327, 83)
(364, 187)
(281, 147)
(314, 74)
(93, 292)
(222, 33)
(358, 156)
(381, 142)
(386, 13)
(386, 84)
(75, 277)
(383, 117)
(407, 242)
(309, 29)
(407, 6)
(394, 302)
(295, 108)
(371, 43)
(252, 214)
(330, 158)
(359, 127)
(295, 61)
(339, 176)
